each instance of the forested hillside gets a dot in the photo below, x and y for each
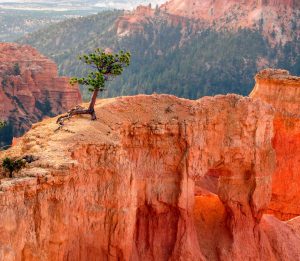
(168, 58)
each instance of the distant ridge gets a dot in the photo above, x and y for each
(173, 53)
(274, 17)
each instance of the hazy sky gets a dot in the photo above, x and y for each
(126, 4)
(123, 4)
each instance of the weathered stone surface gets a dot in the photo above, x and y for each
(295, 224)
(282, 91)
(122, 187)
(33, 92)
(276, 17)
(268, 16)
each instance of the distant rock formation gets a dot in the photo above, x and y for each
(123, 187)
(134, 22)
(30, 89)
(282, 91)
(278, 20)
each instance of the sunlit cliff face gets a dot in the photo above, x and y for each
(216, 8)
(123, 187)
(282, 91)
(276, 18)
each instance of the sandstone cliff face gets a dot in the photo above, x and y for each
(277, 20)
(30, 88)
(282, 91)
(123, 187)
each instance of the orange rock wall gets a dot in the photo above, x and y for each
(37, 92)
(282, 91)
(122, 188)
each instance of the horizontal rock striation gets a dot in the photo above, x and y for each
(30, 89)
(123, 187)
(282, 91)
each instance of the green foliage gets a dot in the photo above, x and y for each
(82, 34)
(6, 132)
(16, 69)
(167, 59)
(210, 63)
(12, 166)
(105, 66)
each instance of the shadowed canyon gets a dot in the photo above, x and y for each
(30, 89)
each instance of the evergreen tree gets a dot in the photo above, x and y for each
(104, 67)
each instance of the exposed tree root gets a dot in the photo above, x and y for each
(78, 110)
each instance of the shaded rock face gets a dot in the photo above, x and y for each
(123, 187)
(30, 89)
(282, 91)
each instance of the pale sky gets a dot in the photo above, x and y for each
(121, 4)
(125, 4)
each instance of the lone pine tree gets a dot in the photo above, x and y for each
(104, 67)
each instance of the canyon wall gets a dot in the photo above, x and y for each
(30, 89)
(277, 20)
(211, 9)
(123, 187)
(282, 91)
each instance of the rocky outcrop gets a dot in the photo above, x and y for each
(129, 23)
(208, 9)
(123, 187)
(282, 91)
(277, 20)
(135, 22)
(271, 17)
(30, 89)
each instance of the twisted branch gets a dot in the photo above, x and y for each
(78, 110)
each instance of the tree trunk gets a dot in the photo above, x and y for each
(92, 104)
(78, 110)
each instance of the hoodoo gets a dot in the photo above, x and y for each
(282, 91)
(123, 187)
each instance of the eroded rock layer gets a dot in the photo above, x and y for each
(282, 91)
(123, 187)
(277, 20)
(30, 89)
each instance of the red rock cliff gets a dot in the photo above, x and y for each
(282, 91)
(276, 19)
(122, 188)
(30, 88)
